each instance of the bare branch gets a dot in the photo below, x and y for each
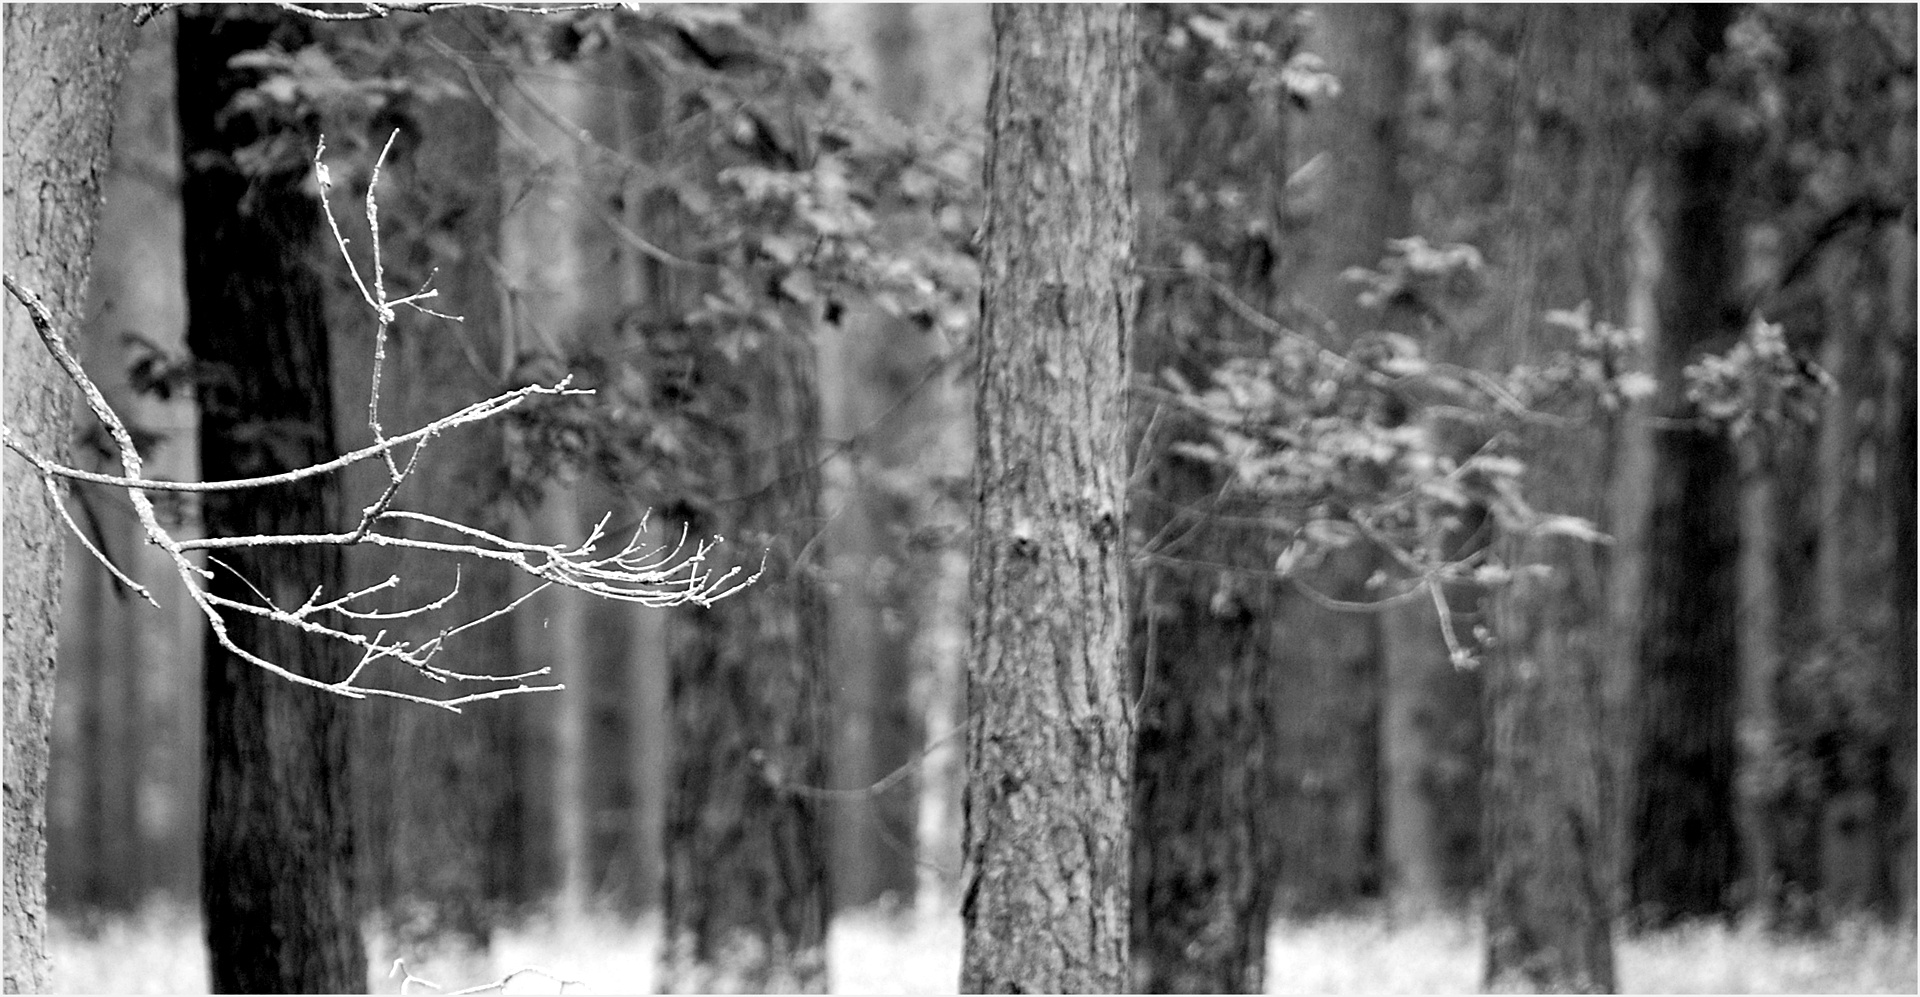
(638, 571)
(407, 979)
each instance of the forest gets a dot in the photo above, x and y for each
(712, 498)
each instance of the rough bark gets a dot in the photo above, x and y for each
(1549, 905)
(63, 66)
(1044, 896)
(1685, 854)
(277, 855)
(1203, 815)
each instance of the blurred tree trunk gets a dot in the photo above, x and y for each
(62, 70)
(1203, 811)
(1549, 903)
(280, 912)
(1897, 245)
(544, 219)
(1044, 899)
(1901, 503)
(1353, 684)
(747, 897)
(746, 876)
(1685, 853)
(433, 793)
(869, 367)
(137, 313)
(1760, 652)
(648, 293)
(91, 827)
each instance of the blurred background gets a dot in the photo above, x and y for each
(586, 190)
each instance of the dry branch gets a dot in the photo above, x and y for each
(667, 574)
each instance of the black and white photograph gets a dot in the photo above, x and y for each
(801, 498)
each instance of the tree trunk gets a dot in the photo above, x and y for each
(434, 797)
(151, 671)
(62, 71)
(1759, 645)
(547, 304)
(1346, 711)
(871, 368)
(280, 912)
(1685, 853)
(746, 877)
(1897, 248)
(1044, 897)
(1549, 904)
(1203, 814)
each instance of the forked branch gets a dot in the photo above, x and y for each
(638, 570)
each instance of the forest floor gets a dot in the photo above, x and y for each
(160, 951)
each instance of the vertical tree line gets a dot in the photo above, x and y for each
(1549, 897)
(1611, 684)
(1050, 733)
(277, 868)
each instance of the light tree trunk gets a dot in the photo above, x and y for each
(278, 853)
(63, 66)
(1685, 851)
(138, 288)
(546, 308)
(871, 410)
(1044, 895)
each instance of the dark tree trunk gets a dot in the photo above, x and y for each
(746, 871)
(1045, 893)
(63, 65)
(1897, 247)
(1549, 903)
(1203, 847)
(1685, 860)
(280, 913)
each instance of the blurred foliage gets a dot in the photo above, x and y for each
(1386, 445)
(1758, 384)
(790, 204)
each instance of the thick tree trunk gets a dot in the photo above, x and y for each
(1897, 247)
(280, 911)
(1044, 896)
(1549, 902)
(63, 66)
(1346, 713)
(434, 798)
(1203, 812)
(746, 876)
(1685, 852)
